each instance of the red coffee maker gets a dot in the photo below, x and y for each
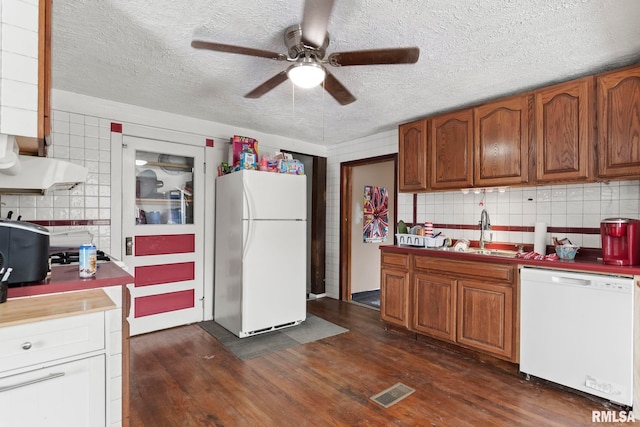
(620, 241)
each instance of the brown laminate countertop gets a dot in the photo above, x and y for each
(27, 310)
(588, 263)
(66, 278)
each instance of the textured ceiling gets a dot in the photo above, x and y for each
(138, 52)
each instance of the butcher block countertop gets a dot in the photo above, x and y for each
(66, 278)
(587, 262)
(46, 307)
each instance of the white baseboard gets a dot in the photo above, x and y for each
(316, 296)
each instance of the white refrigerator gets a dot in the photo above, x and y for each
(260, 255)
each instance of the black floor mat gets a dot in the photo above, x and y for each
(370, 298)
(312, 329)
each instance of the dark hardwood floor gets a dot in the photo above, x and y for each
(185, 377)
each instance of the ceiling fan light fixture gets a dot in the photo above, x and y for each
(306, 74)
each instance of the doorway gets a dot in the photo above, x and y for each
(316, 170)
(360, 260)
(163, 227)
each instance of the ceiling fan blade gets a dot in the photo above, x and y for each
(315, 21)
(200, 44)
(268, 85)
(406, 55)
(337, 90)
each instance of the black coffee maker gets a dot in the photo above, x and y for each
(25, 248)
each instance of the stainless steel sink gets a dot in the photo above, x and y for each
(492, 252)
(505, 253)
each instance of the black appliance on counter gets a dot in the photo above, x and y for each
(25, 248)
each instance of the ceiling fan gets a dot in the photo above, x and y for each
(306, 45)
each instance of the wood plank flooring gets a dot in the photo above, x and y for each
(184, 377)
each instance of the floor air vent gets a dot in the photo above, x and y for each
(392, 395)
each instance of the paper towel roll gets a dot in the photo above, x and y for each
(540, 238)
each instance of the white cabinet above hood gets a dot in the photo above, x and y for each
(29, 174)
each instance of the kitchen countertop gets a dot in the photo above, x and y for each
(66, 278)
(588, 262)
(27, 310)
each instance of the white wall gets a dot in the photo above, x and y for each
(81, 131)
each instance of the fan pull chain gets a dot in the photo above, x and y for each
(293, 98)
(323, 92)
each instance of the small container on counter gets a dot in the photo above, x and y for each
(88, 260)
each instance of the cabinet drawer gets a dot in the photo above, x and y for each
(38, 342)
(495, 272)
(396, 260)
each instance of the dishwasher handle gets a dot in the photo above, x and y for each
(570, 281)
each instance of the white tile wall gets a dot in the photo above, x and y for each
(579, 205)
(84, 140)
(19, 67)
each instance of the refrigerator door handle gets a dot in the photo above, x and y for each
(245, 243)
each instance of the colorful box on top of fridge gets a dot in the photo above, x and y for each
(248, 161)
(293, 167)
(242, 144)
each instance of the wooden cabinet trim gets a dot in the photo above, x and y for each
(450, 142)
(491, 330)
(394, 297)
(392, 259)
(607, 126)
(412, 159)
(435, 316)
(457, 268)
(564, 120)
(618, 104)
(503, 158)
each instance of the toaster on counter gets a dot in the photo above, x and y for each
(25, 248)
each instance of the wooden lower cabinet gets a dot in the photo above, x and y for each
(469, 303)
(394, 297)
(434, 306)
(485, 317)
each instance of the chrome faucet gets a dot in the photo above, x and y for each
(485, 225)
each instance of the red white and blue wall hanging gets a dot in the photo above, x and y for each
(376, 214)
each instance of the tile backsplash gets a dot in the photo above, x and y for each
(560, 206)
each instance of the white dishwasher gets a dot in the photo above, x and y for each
(576, 329)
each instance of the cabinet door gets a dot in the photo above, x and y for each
(394, 297)
(434, 306)
(451, 150)
(564, 131)
(485, 317)
(412, 151)
(501, 142)
(618, 105)
(67, 395)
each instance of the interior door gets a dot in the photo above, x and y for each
(163, 224)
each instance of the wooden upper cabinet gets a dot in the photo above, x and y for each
(451, 150)
(501, 148)
(618, 110)
(412, 153)
(564, 118)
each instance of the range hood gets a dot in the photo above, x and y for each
(35, 175)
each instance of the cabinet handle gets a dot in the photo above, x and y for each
(26, 346)
(37, 380)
